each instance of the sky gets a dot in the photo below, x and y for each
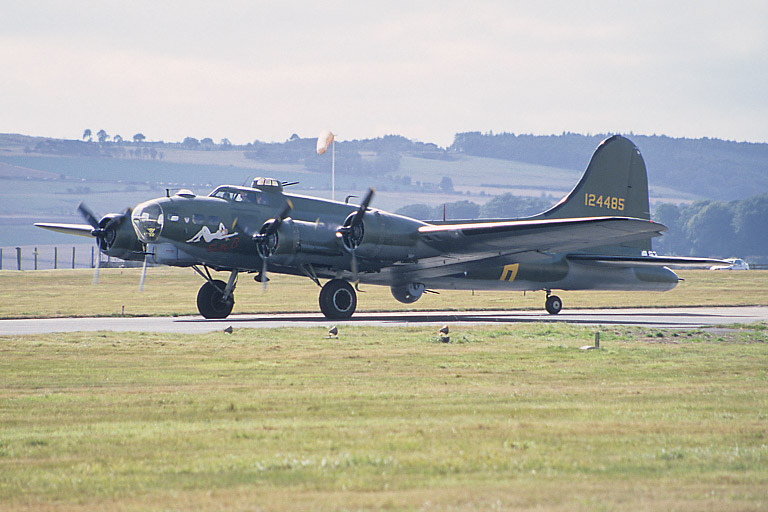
(426, 70)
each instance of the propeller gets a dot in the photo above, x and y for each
(266, 240)
(353, 231)
(104, 231)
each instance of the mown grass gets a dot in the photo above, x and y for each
(386, 419)
(171, 291)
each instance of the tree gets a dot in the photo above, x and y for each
(416, 211)
(750, 222)
(710, 229)
(102, 135)
(190, 142)
(460, 210)
(446, 185)
(225, 142)
(87, 134)
(139, 138)
(673, 241)
(118, 139)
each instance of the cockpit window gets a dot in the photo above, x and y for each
(225, 193)
(240, 195)
(148, 221)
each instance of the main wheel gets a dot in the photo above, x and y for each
(338, 299)
(553, 304)
(210, 300)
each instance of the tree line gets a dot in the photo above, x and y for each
(715, 228)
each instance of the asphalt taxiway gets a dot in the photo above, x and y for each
(672, 318)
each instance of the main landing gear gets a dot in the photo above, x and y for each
(216, 298)
(553, 304)
(338, 299)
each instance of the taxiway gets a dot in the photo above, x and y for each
(673, 318)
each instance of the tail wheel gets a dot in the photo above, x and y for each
(553, 304)
(211, 302)
(338, 299)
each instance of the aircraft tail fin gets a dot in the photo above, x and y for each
(614, 184)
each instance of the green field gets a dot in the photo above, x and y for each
(172, 291)
(386, 419)
(379, 419)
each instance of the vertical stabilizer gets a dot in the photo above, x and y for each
(614, 184)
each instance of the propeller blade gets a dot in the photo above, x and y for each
(88, 215)
(353, 265)
(98, 266)
(272, 229)
(358, 218)
(143, 273)
(264, 278)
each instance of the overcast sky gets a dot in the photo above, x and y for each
(425, 70)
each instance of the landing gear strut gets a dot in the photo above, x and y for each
(215, 299)
(553, 303)
(338, 299)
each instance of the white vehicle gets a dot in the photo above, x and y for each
(735, 264)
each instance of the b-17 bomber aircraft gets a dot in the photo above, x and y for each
(596, 238)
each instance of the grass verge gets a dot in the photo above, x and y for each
(386, 419)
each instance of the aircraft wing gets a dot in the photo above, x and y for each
(69, 229)
(541, 235)
(647, 261)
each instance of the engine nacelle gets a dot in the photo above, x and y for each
(297, 236)
(382, 236)
(409, 293)
(119, 240)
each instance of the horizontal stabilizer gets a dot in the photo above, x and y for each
(647, 261)
(68, 229)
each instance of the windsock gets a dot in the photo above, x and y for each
(323, 141)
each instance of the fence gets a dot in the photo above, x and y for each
(56, 257)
